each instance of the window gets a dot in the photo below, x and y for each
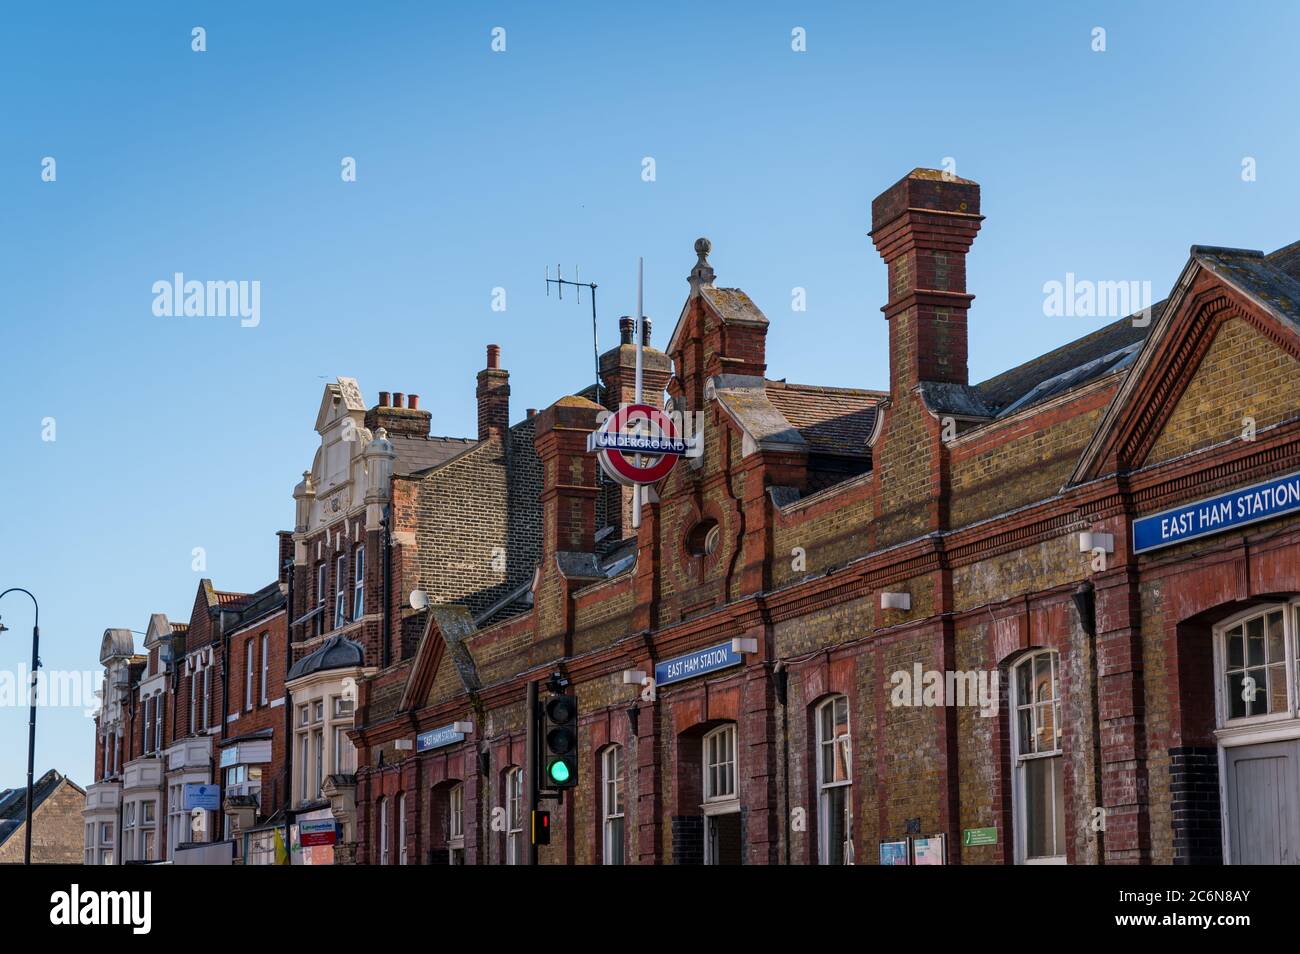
(345, 753)
(456, 824)
(720, 764)
(514, 816)
(703, 538)
(194, 702)
(359, 583)
(146, 727)
(207, 696)
(340, 589)
(148, 831)
(1039, 790)
(266, 667)
(177, 824)
(320, 598)
(304, 766)
(248, 674)
(612, 804)
(88, 850)
(318, 769)
(383, 831)
(835, 783)
(117, 753)
(1252, 657)
(158, 724)
(401, 829)
(128, 831)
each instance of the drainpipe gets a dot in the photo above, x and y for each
(220, 821)
(782, 677)
(387, 524)
(288, 700)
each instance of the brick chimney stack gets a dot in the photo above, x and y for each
(569, 485)
(923, 227)
(493, 397)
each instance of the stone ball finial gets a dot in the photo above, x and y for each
(702, 248)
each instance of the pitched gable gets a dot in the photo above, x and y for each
(1260, 306)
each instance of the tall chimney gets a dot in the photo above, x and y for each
(923, 226)
(493, 397)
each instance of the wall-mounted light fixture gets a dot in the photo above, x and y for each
(1095, 540)
(463, 727)
(899, 601)
(634, 677)
(744, 644)
(404, 745)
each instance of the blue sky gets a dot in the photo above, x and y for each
(476, 170)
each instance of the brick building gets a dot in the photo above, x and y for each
(387, 509)
(57, 837)
(1051, 617)
(202, 705)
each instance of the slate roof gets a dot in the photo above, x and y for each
(13, 801)
(266, 601)
(415, 454)
(337, 652)
(832, 420)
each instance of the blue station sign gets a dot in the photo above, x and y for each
(1217, 514)
(436, 738)
(698, 663)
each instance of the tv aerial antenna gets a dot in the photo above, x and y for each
(559, 281)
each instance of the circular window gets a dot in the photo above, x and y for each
(703, 538)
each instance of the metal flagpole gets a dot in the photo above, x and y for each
(640, 337)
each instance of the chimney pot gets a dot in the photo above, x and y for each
(645, 331)
(532, 412)
(493, 356)
(626, 329)
(383, 399)
(397, 398)
(413, 401)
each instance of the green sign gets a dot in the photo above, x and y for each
(980, 836)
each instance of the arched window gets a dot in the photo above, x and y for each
(456, 824)
(514, 796)
(401, 829)
(1252, 656)
(834, 783)
(1039, 791)
(722, 830)
(611, 805)
(382, 809)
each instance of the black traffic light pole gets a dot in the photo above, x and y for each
(31, 716)
(532, 762)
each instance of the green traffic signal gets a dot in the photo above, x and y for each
(559, 771)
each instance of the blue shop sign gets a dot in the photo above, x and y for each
(696, 664)
(436, 738)
(202, 796)
(1216, 514)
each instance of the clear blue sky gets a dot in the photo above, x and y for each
(478, 169)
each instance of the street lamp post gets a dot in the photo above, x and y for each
(31, 713)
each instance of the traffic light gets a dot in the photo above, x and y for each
(541, 828)
(560, 743)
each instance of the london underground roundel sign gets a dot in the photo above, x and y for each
(638, 444)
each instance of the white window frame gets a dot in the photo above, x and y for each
(207, 697)
(514, 799)
(320, 597)
(194, 703)
(158, 711)
(728, 732)
(401, 828)
(340, 590)
(249, 670)
(176, 816)
(265, 641)
(613, 805)
(1018, 808)
(1257, 727)
(456, 816)
(383, 831)
(359, 582)
(826, 784)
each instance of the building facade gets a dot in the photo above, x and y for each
(1052, 617)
